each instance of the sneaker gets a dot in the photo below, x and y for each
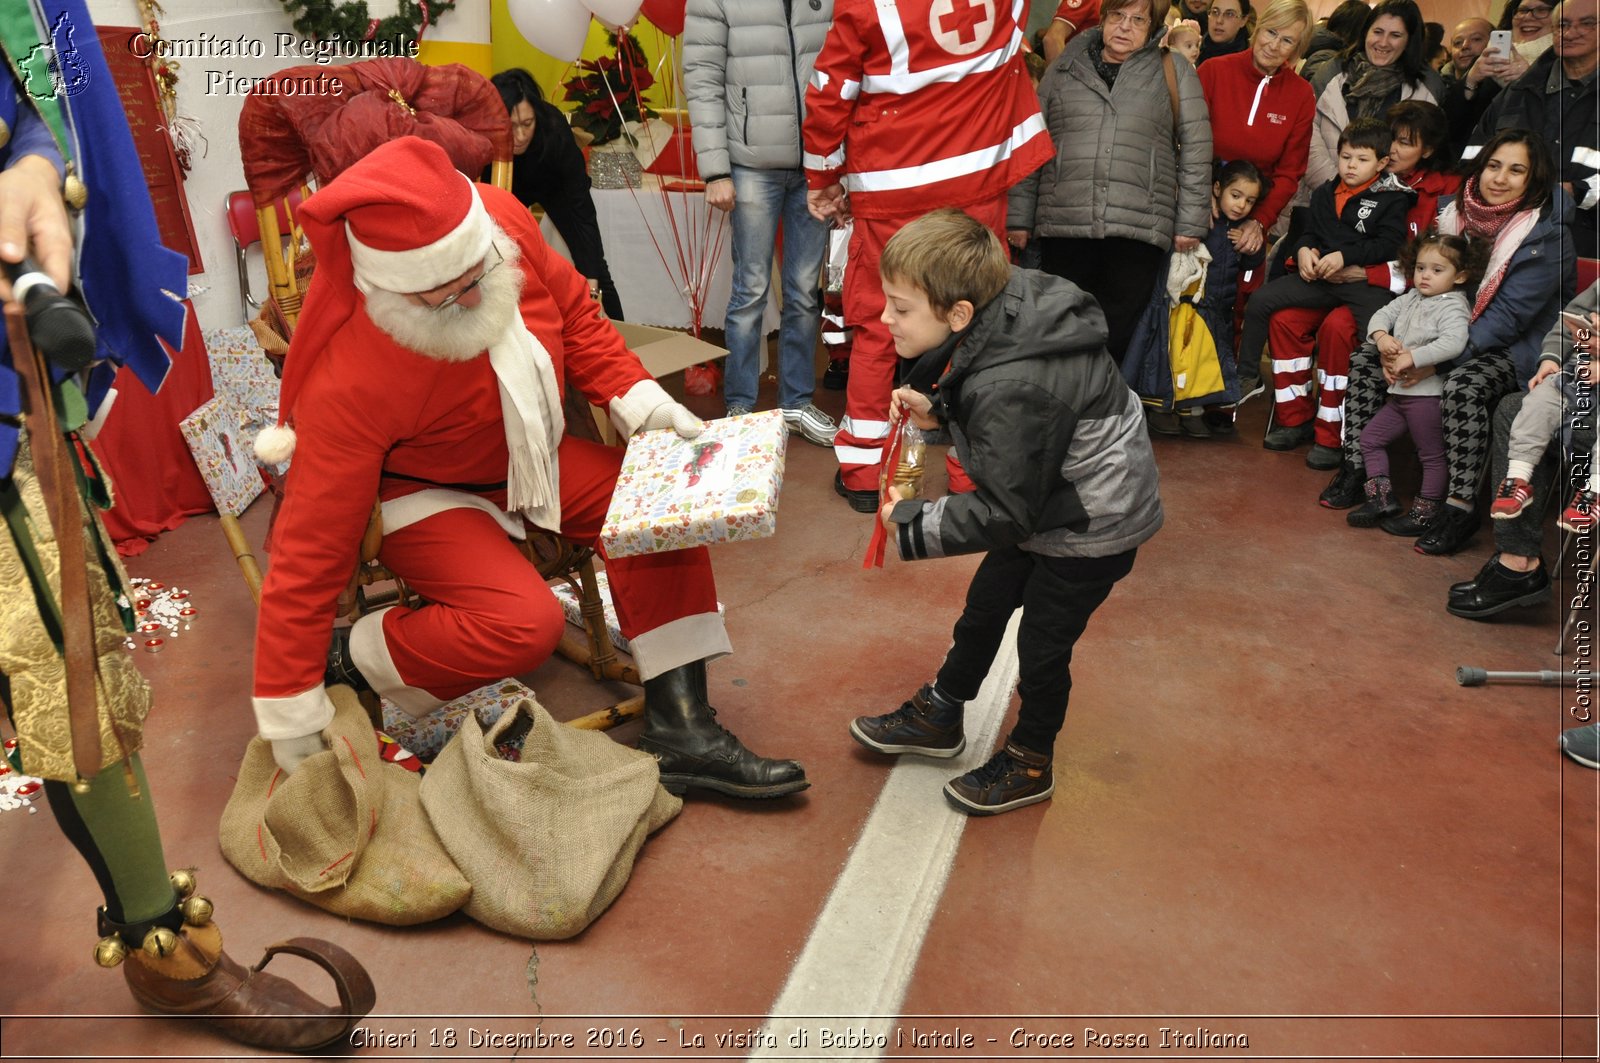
(1345, 489)
(737, 409)
(1414, 521)
(812, 424)
(1324, 459)
(1163, 422)
(1289, 436)
(920, 725)
(1579, 517)
(860, 501)
(1452, 529)
(1380, 504)
(837, 375)
(1194, 425)
(1012, 778)
(1249, 388)
(1511, 499)
(1582, 744)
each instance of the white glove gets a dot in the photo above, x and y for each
(676, 416)
(291, 752)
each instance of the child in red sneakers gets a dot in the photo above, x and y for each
(1013, 363)
(1566, 364)
(1425, 326)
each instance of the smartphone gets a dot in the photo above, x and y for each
(1500, 42)
(1576, 321)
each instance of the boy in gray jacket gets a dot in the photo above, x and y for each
(1013, 363)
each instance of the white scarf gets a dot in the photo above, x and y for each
(531, 408)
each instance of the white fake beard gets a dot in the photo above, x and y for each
(456, 333)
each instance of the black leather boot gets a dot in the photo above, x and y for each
(341, 669)
(696, 752)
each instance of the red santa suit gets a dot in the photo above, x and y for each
(913, 105)
(460, 452)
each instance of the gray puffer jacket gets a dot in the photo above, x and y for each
(745, 68)
(1116, 170)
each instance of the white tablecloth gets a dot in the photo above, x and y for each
(663, 248)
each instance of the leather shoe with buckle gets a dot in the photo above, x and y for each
(1497, 589)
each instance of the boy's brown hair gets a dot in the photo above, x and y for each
(950, 256)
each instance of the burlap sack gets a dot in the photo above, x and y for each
(346, 831)
(549, 841)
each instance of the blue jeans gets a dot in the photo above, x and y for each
(764, 199)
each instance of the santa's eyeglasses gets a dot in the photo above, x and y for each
(456, 296)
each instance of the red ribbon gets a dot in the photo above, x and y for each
(879, 544)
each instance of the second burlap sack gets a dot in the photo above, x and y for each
(547, 841)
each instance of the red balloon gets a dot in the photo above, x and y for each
(666, 14)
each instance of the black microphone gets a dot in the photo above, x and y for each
(59, 326)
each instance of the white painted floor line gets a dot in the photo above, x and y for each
(864, 945)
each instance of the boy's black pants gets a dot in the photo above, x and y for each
(1286, 292)
(1057, 596)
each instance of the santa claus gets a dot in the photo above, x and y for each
(427, 370)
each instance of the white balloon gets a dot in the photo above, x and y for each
(556, 27)
(614, 12)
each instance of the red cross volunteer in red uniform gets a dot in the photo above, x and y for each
(427, 371)
(913, 105)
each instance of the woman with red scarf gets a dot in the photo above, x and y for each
(1510, 198)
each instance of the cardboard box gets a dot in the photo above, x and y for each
(722, 486)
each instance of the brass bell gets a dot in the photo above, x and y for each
(5, 133)
(160, 942)
(182, 881)
(196, 910)
(74, 191)
(80, 787)
(110, 951)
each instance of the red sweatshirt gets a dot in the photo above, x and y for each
(1264, 120)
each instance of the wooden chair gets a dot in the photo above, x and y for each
(275, 172)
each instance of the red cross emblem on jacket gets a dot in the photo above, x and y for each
(961, 27)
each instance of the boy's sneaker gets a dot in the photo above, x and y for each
(837, 375)
(1582, 744)
(1579, 515)
(1193, 424)
(860, 501)
(917, 726)
(1346, 488)
(1511, 499)
(814, 425)
(737, 409)
(1012, 778)
(1324, 458)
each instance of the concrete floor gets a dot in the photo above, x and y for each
(1278, 820)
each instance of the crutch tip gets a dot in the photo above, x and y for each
(1471, 677)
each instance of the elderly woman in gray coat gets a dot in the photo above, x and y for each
(1130, 180)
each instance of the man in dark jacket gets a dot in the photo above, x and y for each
(1557, 98)
(1065, 486)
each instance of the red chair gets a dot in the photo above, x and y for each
(1588, 272)
(246, 229)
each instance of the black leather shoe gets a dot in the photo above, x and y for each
(860, 501)
(1497, 589)
(340, 668)
(1452, 529)
(1347, 487)
(1288, 437)
(695, 752)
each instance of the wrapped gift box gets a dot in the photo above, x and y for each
(427, 736)
(219, 437)
(722, 486)
(240, 370)
(574, 611)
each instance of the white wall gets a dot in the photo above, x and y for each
(218, 170)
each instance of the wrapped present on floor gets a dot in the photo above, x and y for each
(574, 609)
(220, 442)
(240, 370)
(722, 486)
(425, 737)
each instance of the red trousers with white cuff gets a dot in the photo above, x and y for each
(864, 431)
(489, 615)
(1296, 337)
